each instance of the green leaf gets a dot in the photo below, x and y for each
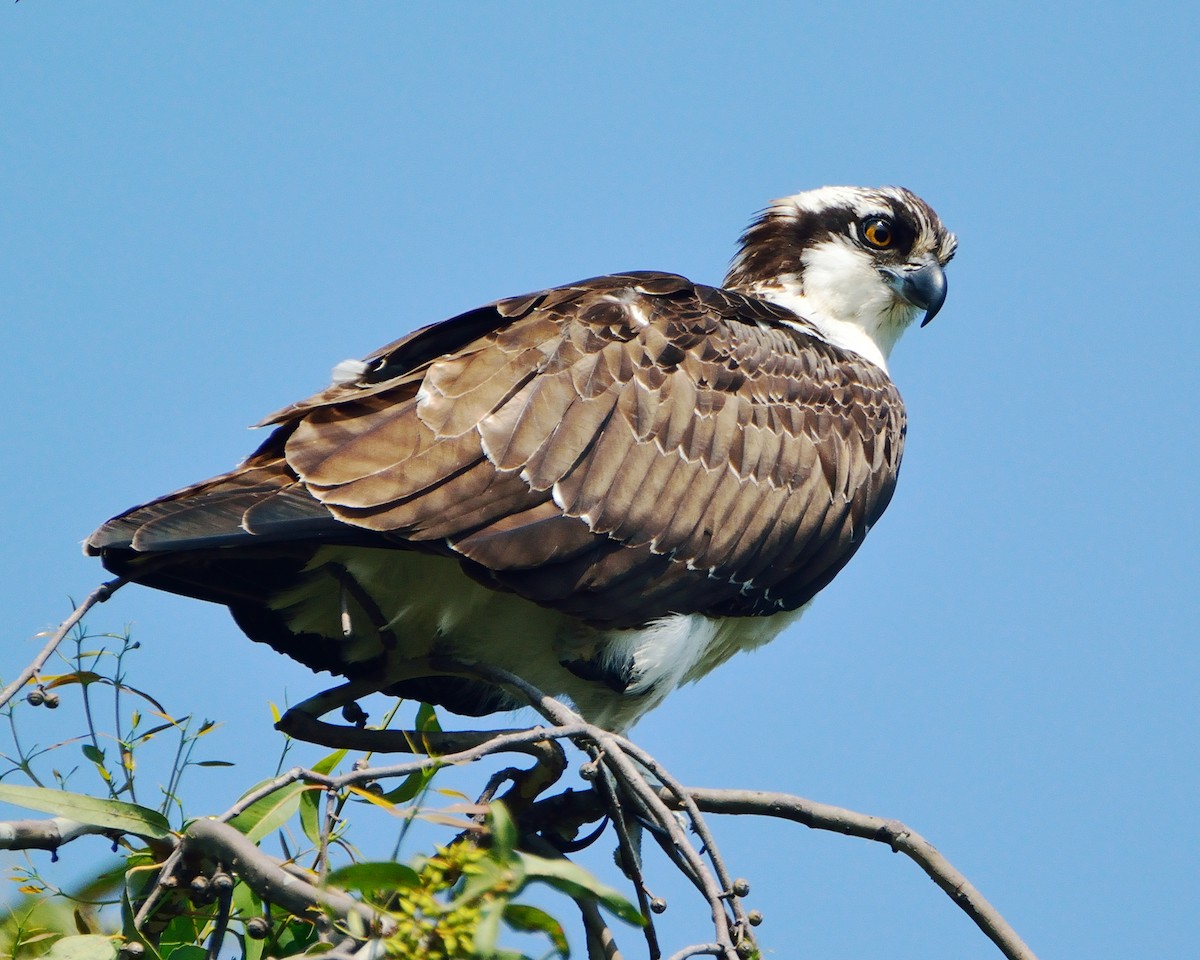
(186, 951)
(253, 949)
(213, 763)
(326, 764)
(295, 937)
(182, 931)
(109, 814)
(487, 928)
(87, 947)
(269, 813)
(246, 904)
(574, 881)
(93, 753)
(365, 877)
(490, 877)
(526, 919)
(410, 786)
(504, 831)
(427, 720)
(310, 814)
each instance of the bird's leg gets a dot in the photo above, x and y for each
(352, 589)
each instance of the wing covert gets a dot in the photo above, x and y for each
(623, 447)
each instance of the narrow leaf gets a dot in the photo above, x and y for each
(186, 951)
(528, 919)
(109, 814)
(269, 813)
(87, 947)
(378, 799)
(326, 764)
(487, 930)
(310, 814)
(64, 679)
(382, 875)
(574, 881)
(410, 786)
(427, 720)
(504, 831)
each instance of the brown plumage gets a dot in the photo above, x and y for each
(620, 450)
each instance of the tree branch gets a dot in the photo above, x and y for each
(45, 834)
(902, 839)
(99, 595)
(269, 880)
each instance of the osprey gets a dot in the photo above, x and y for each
(607, 488)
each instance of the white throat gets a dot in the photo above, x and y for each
(842, 294)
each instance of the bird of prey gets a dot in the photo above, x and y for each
(607, 488)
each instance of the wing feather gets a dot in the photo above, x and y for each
(619, 449)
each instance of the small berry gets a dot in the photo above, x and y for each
(257, 928)
(755, 917)
(52, 703)
(36, 697)
(658, 905)
(741, 888)
(222, 882)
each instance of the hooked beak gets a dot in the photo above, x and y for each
(923, 286)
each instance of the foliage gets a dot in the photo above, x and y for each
(452, 902)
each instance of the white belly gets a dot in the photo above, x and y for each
(431, 607)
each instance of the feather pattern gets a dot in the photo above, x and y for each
(608, 487)
(631, 411)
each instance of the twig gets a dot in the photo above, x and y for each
(615, 757)
(159, 888)
(698, 824)
(900, 838)
(224, 903)
(601, 944)
(699, 950)
(266, 878)
(99, 595)
(631, 856)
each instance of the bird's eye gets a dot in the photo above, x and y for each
(877, 232)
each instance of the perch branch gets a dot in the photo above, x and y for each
(678, 847)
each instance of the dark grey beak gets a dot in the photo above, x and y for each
(923, 287)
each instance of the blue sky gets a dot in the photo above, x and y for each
(206, 207)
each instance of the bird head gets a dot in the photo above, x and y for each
(858, 263)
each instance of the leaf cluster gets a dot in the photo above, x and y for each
(168, 902)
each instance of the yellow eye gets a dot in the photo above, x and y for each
(877, 232)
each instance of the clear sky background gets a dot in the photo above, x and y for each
(205, 207)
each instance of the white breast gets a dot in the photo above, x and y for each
(430, 606)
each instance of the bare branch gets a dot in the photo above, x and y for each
(699, 950)
(902, 839)
(99, 595)
(601, 945)
(45, 834)
(633, 780)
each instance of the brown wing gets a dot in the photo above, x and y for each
(618, 449)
